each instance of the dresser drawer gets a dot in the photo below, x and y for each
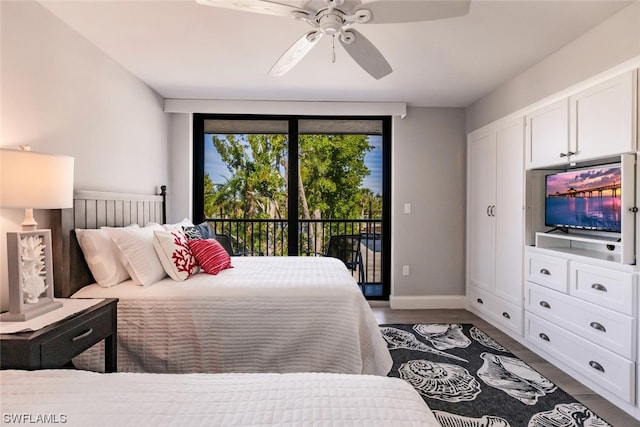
(500, 311)
(606, 328)
(77, 338)
(547, 271)
(602, 286)
(608, 370)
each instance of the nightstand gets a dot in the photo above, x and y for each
(55, 345)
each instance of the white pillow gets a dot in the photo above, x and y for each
(102, 256)
(178, 225)
(137, 252)
(174, 253)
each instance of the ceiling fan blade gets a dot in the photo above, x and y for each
(366, 54)
(267, 7)
(295, 53)
(393, 11)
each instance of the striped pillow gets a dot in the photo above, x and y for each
(210, 255)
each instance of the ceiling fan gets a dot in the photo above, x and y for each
(335, 18)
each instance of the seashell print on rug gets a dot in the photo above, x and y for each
(468, 379)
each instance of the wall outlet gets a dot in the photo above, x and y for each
(405, 270)
(407, 208)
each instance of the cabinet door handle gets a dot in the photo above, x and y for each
(599, 287)
(563, 154)
(82, 335)
(493, 210)
(545, 272)
(489, 210)
(545, 304)
(506, 315)
(544, 337)
(480, 301)
(595, 365)
(598, 326)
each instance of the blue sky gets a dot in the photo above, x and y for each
(218, 171)
(373, 160)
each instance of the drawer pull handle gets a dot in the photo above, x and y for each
(595, 365)
(598, 326)
(545, 272)
(599, 287)
(544, 337)
(545, 304)
(506, 315)
(480, 301)
(82, 335)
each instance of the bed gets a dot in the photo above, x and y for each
(266, 314)
(80, 398)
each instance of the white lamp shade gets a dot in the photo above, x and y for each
(30, 180)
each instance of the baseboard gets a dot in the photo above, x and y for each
(427, 302)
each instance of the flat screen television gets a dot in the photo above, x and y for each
(587, 199)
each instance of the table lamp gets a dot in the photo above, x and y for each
(31, 180)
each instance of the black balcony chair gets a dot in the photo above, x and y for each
(225, 242)
(346, 247)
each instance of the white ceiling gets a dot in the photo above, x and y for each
(185, 50)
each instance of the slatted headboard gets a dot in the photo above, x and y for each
(95, 209)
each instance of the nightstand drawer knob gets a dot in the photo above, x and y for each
(82, 335)
(598, 326)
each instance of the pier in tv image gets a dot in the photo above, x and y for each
(586, 199)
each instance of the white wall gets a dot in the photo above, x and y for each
(607, 45)
(180, 189)
(429, 172)
(62, 95)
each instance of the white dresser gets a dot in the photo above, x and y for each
(581, 312)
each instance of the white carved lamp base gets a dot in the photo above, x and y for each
(30, 275)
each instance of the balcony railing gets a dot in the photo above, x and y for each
(270, 237)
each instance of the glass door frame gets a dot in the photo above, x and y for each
(293, 207)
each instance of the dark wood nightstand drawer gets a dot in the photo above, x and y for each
(61, 348)
(55, 345)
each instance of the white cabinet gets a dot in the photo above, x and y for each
(548, 135)
(598, 366)
(581, 313)
(602, 119)
(481, 196)
(496, 221)
(597, 122)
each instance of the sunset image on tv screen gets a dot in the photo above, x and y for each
(586, 198)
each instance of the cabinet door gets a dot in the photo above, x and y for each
(509, 213)
(602, 119)
(548, 135)
(481, 196)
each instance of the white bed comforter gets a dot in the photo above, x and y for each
(77, 398)
(267, 314)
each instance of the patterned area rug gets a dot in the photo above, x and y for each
(469, 380)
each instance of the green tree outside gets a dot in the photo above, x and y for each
(331, 173)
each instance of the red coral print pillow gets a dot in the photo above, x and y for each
(175, 255)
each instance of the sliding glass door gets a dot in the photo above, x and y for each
(287, 185)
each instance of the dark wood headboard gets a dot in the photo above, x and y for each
(95, 209)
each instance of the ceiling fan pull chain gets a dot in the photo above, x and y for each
(333, 49)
